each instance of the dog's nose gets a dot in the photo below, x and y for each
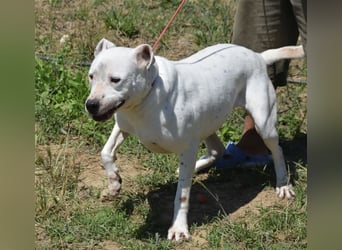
(92, 105)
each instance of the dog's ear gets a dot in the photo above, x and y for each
(103, 45)
(144, 56)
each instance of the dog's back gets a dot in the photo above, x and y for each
(205, 53)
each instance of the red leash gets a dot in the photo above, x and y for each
(168, 25)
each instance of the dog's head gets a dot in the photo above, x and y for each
(120, 78)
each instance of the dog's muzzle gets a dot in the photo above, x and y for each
(93, 108)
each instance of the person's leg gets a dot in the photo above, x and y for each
(250, 142)
(299, 10)
(261, 25)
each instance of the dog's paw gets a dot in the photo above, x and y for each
(285, 191)
(106, 196)
(114, 187)
(178, 233)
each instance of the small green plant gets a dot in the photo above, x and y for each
(125, 23)
(54, 2)
(232, 128)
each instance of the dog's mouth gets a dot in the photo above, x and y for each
(108, 114)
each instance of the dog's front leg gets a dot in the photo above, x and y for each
(179, 228)
(108, 157)
(215, 150)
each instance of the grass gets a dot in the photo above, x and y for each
(69, 214)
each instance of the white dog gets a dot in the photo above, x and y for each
(171, 106)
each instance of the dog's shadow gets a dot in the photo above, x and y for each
(295, 150)
(229, 190)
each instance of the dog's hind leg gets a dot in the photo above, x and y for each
(283, 185)
(215, 150)
(108, 157)
(261, 104)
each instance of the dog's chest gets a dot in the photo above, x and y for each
(157, 139)
(156, 130)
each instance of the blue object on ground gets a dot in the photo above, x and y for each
(235, 157)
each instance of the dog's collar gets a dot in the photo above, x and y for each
(152, 84)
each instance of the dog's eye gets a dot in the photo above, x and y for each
(114, 79)
(91, 76)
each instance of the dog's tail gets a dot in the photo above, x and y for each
(288, 52)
